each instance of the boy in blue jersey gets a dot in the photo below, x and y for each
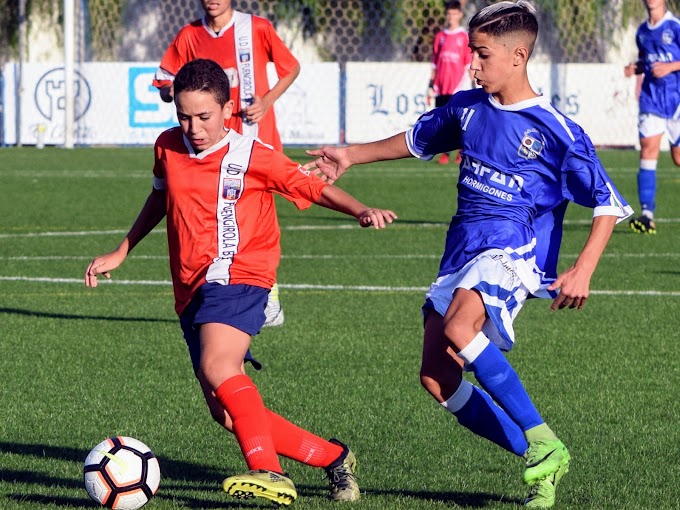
(523, 162)
(658, 42)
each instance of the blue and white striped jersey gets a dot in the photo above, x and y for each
(660, 43)
(521, 166)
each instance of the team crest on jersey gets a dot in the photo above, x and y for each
(531, 145)
(244, 55)
(667, 37)
(231, 189)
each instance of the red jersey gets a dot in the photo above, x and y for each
(221, 222)
(197, 40)
(451, 58)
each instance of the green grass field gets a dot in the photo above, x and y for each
(78, 365)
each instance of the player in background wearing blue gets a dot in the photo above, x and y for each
(523, 162)
(658, 42)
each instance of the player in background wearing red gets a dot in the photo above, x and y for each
(451, 59)
(216, 187)
(243, 45)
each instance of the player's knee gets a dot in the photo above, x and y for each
(675, 153)
(456, 333)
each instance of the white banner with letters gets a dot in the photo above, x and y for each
(384, 99)
(117, 105)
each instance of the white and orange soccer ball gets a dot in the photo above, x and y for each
(121, 473)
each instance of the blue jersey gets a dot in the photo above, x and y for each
(521, 166)
(660, 43)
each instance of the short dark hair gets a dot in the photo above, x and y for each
(455, 5)
(505, 18)
(203, 75)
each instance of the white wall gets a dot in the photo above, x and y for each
(116, 103)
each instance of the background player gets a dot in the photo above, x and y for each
(223, 237)
(658, 42)
(214, 36)
(450, 61)
(523, 161)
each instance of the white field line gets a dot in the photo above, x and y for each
(363, 256)
(442, 225)
(304, 286)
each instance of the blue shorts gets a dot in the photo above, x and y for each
(240, 306)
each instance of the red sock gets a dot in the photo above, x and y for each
(298, 444)
(239, 396)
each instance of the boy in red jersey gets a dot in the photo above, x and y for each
(216, 187)
(243, 45)
(451, 59)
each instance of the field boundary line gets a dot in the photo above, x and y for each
(305, 286)
(398, 225)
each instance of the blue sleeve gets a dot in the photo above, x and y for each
(586, 183)
(435, 132)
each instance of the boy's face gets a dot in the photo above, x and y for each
(201, 118)
(493, 61)
(215, 8)
(453, 17)
(654, 4)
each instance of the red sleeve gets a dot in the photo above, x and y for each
(277, 51)
(288, 179)
(174, 58)
(468, 53)
(436, 47)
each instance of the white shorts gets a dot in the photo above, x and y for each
(495, 275)
(653, 125)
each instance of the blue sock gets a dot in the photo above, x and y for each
(483, 417)
(500, 380)
(646, 179)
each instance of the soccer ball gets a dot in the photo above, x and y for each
(121, 473)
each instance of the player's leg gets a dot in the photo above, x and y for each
(651, 130)
(298, 444)
(462, 326)
(441, 375)
(273, 311)
(673, 130)
(223, 348)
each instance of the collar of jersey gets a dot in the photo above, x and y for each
(666, 17)
(221, 32)
(231, 134)
(527, 103)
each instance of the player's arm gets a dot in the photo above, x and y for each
(338, 200)
(257, 110)
(332, 162)
(661, 69)
(574, 283)
(151, 214)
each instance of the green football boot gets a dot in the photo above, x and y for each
(262, 484)
(544, 458)
(341, 477)
(542, 492)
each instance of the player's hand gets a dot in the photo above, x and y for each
(102, 265)
(661, 69)
(629, 70)
(256, 110)
(167, 93)
(574, 287)
(330, 164)
(376, 217)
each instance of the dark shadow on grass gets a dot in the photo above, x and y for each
(67, 316)
(178, 477)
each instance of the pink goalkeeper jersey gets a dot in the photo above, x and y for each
(451, 58)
